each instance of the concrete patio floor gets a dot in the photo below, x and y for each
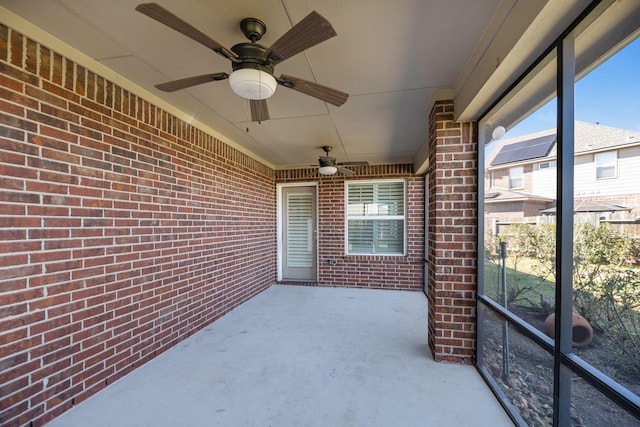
(300, 356)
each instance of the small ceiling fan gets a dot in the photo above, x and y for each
(329, 166)
(253, 64)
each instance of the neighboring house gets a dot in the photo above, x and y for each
(520, 178)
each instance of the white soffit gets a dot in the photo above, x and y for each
(529, 28)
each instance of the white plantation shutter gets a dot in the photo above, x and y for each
(300, 230)
(376, 217)
(360, 196)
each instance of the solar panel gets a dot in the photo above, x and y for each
(524, 150)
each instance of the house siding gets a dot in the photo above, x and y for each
(544, 182)
(123, 230)
(365, 271)
(625, 183)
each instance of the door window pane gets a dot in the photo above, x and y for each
(300, 230)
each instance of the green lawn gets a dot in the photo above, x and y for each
(523, 281)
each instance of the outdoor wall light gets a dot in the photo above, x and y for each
(498, 132)
(252, 83)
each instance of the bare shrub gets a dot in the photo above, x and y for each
(606, 290)
(610, 299)
(530, 241)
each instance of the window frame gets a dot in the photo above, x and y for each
(606, 164)
(402, 217)
(548, 165)
(521, 178)
(566, 364)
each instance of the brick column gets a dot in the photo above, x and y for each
(452, 235)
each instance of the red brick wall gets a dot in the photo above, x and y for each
(123, 230)
(375, 271)
(452, 234)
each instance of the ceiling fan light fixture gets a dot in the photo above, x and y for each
(327, 170)
(252, 83)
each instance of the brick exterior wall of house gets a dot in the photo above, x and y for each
(500, 178)
(452, 234)
(123, 230)
(366, 271)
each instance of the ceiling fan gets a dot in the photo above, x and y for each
(253, 64)
(329, 166)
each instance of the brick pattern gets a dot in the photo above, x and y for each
(123, 230)
(375, 271)
(452, 234)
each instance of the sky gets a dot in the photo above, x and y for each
(609, 95)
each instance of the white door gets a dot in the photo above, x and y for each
(299, 233)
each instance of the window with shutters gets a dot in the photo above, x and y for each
(376, 217)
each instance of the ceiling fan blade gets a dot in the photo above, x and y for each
(323, 93)
(259, 110)
(345, 171)
(162, 15)
(354, 163)
(313, 29)
(191, 81)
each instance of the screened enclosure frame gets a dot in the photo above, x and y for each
(565, 361)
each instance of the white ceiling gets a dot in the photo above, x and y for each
(390, 56)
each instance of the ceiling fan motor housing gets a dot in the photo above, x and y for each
(250, 56)
(327, 161)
